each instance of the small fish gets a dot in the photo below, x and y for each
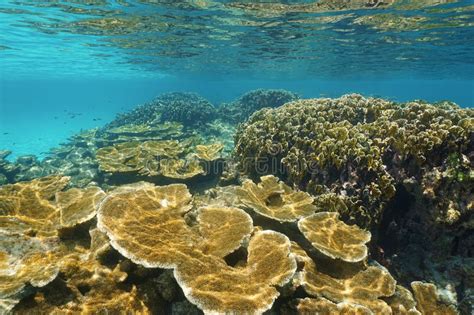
(6, 133)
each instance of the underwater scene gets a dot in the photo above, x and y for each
(237, 157)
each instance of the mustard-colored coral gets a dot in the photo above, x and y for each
(180, 168)
(428, 302)
(31, 213)
(334, 238)
(402, 302)
(168, 158)
(78, 205)
(272, 198)
(40, 205)
(80, 268)
(323, 306)
(356, 147)
(130, 214)
(136, 156)
(25, 260)
(218, 288)
(365, 288)
(209, 152)
(222, 237)
(147, 224)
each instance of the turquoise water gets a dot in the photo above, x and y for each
(98, 58)
(237, 157)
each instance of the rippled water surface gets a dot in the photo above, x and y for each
(298, 39)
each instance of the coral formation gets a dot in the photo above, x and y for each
(241, 109)
(333, 237)
(167, 158)
(427, 299)
(41, 206)
(156, 234)
(186, 108)
(79, 242)
(274, 199)
(356, 147)
(324, 306)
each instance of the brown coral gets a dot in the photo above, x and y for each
(180, 168)
(78, 205)
(365, 288)
(25, 259)
(272, 198)
(40, 205)
(215, 287)
(136, 156)
(426, 295)
(325, 307)
(209, 152)
(334, 238)
(147, 224)
(31, 215)
(131, 214)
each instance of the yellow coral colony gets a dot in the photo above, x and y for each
(334, 238)
(147, 224)
(362, 289)
(274, 199)
(426, 295)
(31, 213)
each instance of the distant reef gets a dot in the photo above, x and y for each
(269, 202)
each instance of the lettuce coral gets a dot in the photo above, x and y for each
(359, 148)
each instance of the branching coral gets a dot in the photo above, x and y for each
(252, 101)
(273, 199)
(334, 238)
(186, 108)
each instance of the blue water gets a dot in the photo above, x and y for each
(72, 65)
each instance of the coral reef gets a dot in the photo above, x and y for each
(358, 148)
(186, 108)
(195, 254)
(370, 212)
(167, 158)
(241, 109)
(402, 170)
